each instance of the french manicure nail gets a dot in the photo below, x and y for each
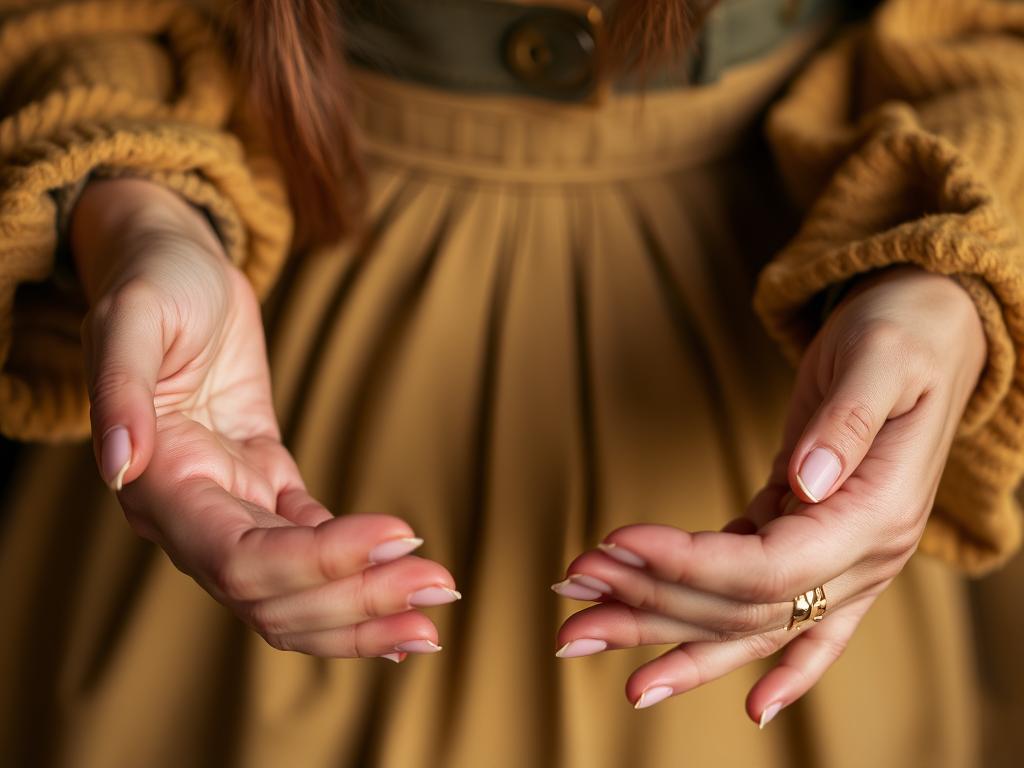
(393, 549)
(430, 596)
(584, 646)
(395, 657)
(115, 456)
(769, 712)
(622, 554)
(582, 587)
(418, 646)
(818, 473)
(652, 696)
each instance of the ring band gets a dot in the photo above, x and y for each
(808, 607)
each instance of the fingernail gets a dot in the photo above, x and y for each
(769, 712)
(115, 456)
(582, 587)
(585, 646)
(425, 598)
(817, 474)
(418, 646)
(622, 554)
(652, 696)
(398, 658)
(393, 549)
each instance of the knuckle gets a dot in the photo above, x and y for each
(326, 564)
(648, 596)
(775, 586)
(232, 581)
(761, 646)
(724, 635)
(366, 596)
(354, 643)
(833, 647)
(854, 421)
(262, 620)
(129, 300)
(278, 642)
(744, 619)
(884, 337)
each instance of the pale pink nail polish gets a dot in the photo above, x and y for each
(115, 456)
(622, 554)
(584, 646)
(769, 712)
(395, 657)
(575, 591)
(818, 473)
(591, 582)
(652, 696)
(579, 586)
(393, 549)
(430, 596)
(418, 646)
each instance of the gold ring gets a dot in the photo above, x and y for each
(808, 607)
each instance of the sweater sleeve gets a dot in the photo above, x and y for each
(102, 88)
(903, 141)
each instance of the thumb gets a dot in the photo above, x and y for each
(868, 388)
(124, 347)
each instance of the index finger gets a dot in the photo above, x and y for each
(788, 556)
(247, 553)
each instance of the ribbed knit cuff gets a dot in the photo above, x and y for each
(126, 87)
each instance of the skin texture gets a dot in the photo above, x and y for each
(175, 350)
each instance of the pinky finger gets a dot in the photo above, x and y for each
(693, 664)
(804, 662)
(402, 633)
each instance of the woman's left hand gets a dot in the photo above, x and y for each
(878, 396)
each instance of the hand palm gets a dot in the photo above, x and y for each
(215, 416)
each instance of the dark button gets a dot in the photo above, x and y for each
(552, 51)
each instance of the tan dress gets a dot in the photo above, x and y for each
(546, 335)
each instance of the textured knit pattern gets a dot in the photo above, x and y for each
(101, 89)
(905, 141)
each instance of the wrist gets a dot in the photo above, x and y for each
(114, 217)
(940, 306)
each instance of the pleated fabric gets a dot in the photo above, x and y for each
(544, 333)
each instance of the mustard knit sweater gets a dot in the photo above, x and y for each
(903, 141)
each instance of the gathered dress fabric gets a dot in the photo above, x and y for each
(544, 333)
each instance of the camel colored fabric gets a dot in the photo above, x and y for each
(904, 140)
(547, 332)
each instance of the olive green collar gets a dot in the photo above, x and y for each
(550, 49)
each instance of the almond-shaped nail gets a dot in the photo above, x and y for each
(652, 696)
(115, 456)
(582, 587)
(769, 712)
(622, 554)
(818, 473)
(430, 596)
(394, 549)
(418, 646)
(584, 646)
(398, 658)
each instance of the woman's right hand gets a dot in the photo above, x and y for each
(185, 433)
